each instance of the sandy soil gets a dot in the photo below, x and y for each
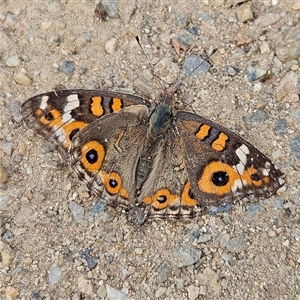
(249, 252)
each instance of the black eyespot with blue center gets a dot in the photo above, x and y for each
(220, 178)
(161, 199)
(92, 156)
(113, 183)
(255, 177)
(49, 116)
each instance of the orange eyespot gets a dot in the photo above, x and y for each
(93, 154)
(252, 178)
(161, 199)
(113, 184)
(51, 118)
(218, 178)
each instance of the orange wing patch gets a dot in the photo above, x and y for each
(96, 106)
(220, 143)
(203, 132)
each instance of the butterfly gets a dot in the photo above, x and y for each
(151, 159)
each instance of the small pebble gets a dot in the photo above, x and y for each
(4, 202)
(85, 286)
(127, 9)
(231, 71)
(244, 13)
(192, 29)
(68, 67)
(7, 148)
(77, 211)
(114, 294)
(264, 48)
(227, 257)
(3, 175)
(185, 256)
(204, 238)
(271, 233)
(55, 274)
(164, 271)
(258, 116)
(111, 8)
(186, 39)
(288, 86)
(11, 20)
(160, 292)
(210, 279)
(296, 199)
(22, 78)
(267, 19)
(280, 127)
(7, 255)
(99, 207)
(289, 47)
(101, 292)
(13, 61)
(138, 251)
(286, 243)
(14, 107)
(295, 146)
(111, 46)
(250, 74)
(296, 6)
(193, 292)
(11, 293)
(6, 41)
(91, 262)
(167, 71)
(54, 7)
(36, 296)
(237, 244)
(182, 19)
(257, 87)
(196, 65)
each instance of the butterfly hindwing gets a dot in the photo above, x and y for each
(106, 153)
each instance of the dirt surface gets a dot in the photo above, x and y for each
(57, 243)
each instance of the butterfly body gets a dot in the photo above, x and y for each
(152, 160)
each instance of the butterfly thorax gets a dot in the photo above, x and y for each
(159, 121)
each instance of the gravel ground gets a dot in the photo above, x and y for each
(59, 243)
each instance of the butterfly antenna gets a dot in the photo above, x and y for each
(175, 86)
(149, 63)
